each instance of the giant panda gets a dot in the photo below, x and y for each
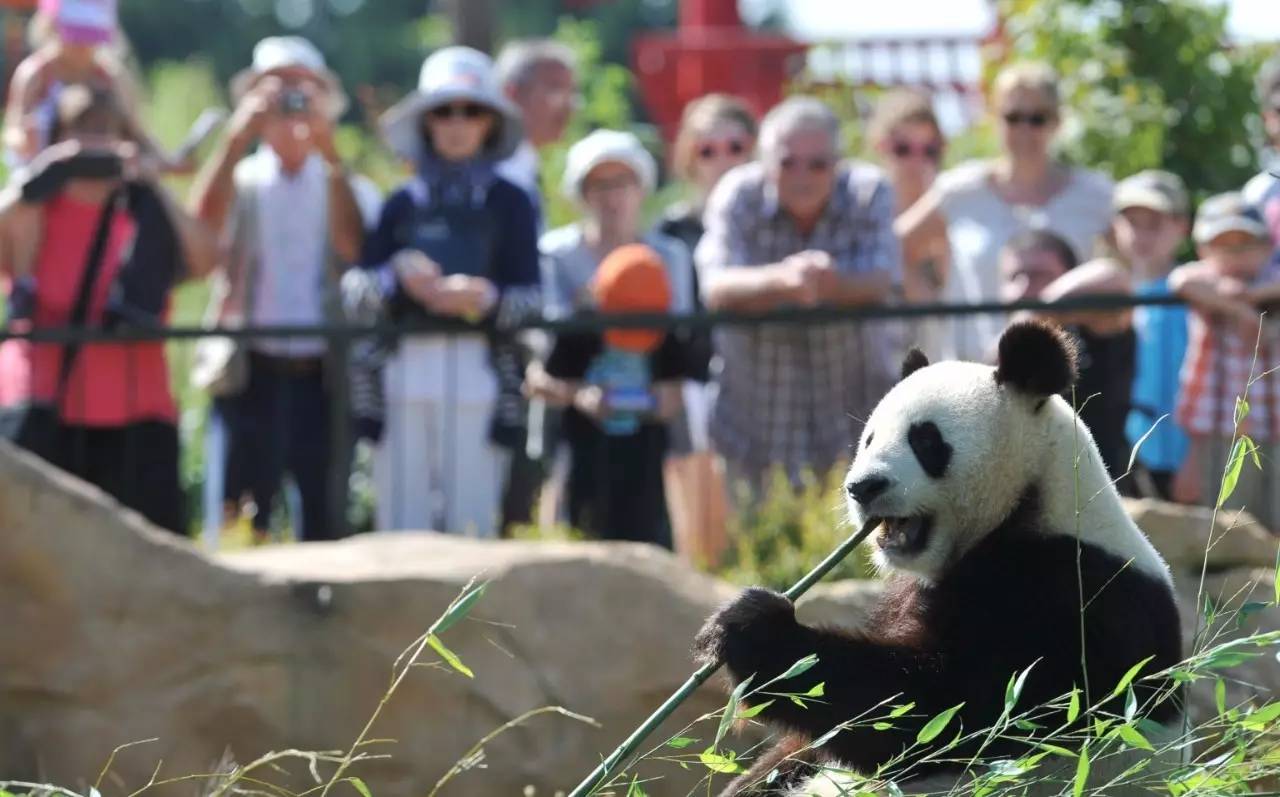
(998, 522)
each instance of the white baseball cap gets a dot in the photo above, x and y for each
(607, 146)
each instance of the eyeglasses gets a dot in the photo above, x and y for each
(905, 149)
(1030, 118)
(710, 149)
(815, 165)
(466, 110)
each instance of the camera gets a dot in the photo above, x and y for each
(294, 102)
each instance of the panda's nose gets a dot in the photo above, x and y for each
(867, 489)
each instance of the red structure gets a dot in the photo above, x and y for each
(711, 50)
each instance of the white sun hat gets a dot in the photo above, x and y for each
(275, 53)
(607, 146)
(451, 75)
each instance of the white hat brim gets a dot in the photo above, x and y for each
(401, 124)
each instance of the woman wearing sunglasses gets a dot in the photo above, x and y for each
(717, 133)
(455, 242)
(985, 203)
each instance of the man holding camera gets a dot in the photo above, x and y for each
(295, 219)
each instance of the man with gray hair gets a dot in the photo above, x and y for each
(538, 76)
(798, 228)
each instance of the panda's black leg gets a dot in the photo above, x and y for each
(758, 636)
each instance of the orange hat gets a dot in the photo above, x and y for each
(632, 279)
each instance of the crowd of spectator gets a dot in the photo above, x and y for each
(634, 434)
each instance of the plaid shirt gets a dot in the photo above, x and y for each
(796, 396)
(1218, 366)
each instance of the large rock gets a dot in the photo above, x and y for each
(1182, 534)
(114, 632)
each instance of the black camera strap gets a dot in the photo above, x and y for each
(84, 294)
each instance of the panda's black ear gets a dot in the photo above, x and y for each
(1037, 358)
(914, 361)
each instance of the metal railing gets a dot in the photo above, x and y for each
(341, 338)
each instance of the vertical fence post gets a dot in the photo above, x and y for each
(340, 437)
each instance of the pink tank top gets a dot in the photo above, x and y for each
(110, 384)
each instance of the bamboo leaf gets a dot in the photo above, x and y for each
(731, 710)
(1133, 453)
(360, 787)
(1220, 696)
(449, 656)
(799, 668)
(1234, 464)
(1014, 690)
(1262, 718)
(817, 691)
(1242, 409)
(937, 725)
(460, 608)
(748, 713)
(1073, 708)
(898, 711)
(1129, 676)
(722, 764)
(1131, 737)
(680, 742)
(1130, 704)
(1082, 772)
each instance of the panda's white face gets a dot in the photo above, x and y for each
(942, 460)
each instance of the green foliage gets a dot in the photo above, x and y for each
(779, 539)
(1148, 83)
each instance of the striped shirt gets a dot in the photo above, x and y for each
(795, 396)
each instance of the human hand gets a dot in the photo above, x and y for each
(589, 400)
(417, 274)
(464, 297)
(319, 124)
(806, 276)
(254, 109)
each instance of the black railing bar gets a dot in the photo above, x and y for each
(593, 322)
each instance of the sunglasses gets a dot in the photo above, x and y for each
(733, 146)
(815, 165)
(1029, 118)
(465, 110)
(905, 149)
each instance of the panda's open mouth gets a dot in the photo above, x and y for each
(904, 536)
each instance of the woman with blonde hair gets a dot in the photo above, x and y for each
(985, 203)
(717, 133)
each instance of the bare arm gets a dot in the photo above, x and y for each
(855, 289)
(346, 224)
(1202, 288)
(23, 96)
(200, 248)
(214, 190)
(927, 210)
(1095, 278)
(752, 288)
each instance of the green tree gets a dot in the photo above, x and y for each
(1149, 83)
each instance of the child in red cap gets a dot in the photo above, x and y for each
(620, 387)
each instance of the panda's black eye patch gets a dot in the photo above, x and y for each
(933, 452)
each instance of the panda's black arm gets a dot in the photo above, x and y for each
(757, 635)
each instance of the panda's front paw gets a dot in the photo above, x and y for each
(744, 631)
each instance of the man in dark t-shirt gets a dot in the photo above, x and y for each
(1040, 265)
